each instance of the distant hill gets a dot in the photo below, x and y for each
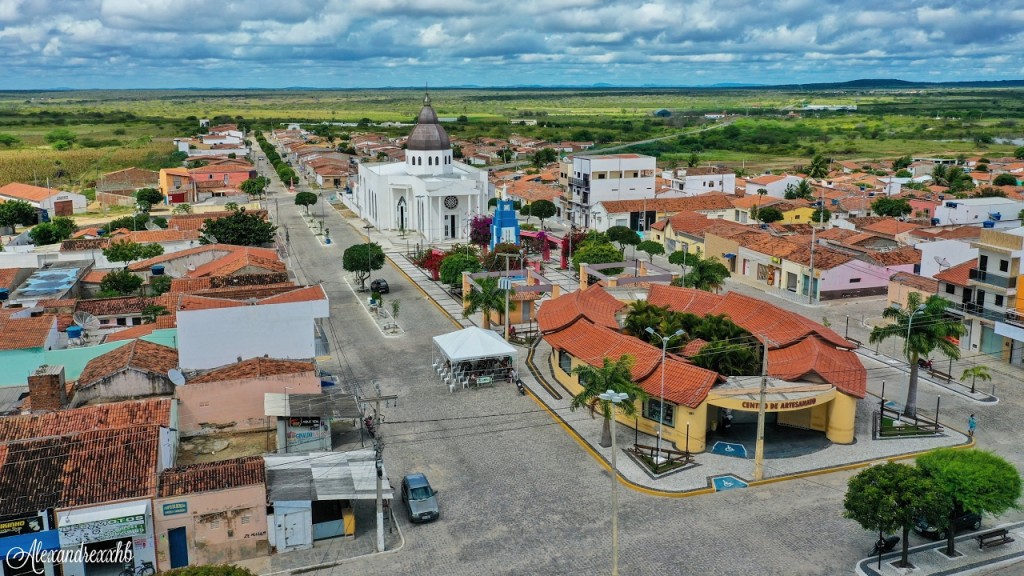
(892, 83)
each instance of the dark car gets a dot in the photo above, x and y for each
(380, 285)
(965, 521)
(420, 498)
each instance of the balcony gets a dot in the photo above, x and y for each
(991, 278)
(1014, 317)
(972, 309)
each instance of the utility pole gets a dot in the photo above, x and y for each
(810, 279)
(506, 285)
(378, 447)
(759, 449)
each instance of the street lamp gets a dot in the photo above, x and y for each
(615, 398)
(661, 399)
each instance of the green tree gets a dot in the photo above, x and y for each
(121, 282)
(615, 375)
(693, 160)
(974, 480)
(159, 285)
(543, 157)
(149, 196)
(597, 253)
(454, 265)
(902, 162)
(182, 209)
(729, 359)
(9, 140)
(769, 214)
(486, 299)
(651, 248)
(17, 212)
(152, 311)
(643, 315)
(1018, 153)
(929, 329)
(975, 373)
(894, 207)
(362, 260)
(892, 497)
(45, 233)
(542, 209)
(705, 274)
(255, 187)
(136, 222)
(903, 174)
(128, 251)
(682, 259)
(624, 236)
(61, 135)
(1005, 180)
(306, 199)
(818, 168)
(821, 215)
(240, 228)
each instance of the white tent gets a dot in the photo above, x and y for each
(473, 343)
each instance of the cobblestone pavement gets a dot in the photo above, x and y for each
(519, 495)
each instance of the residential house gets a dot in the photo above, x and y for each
(54, 202)
(697, 180)
(119, 188)
(903, 284)
(774, 184)
(137, 369)
(642, 214)
(686, 231)
(992, 212)
(601, 178)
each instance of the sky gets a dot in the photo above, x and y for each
(375, 43)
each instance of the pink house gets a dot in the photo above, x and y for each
(232, 395)
(923, 206)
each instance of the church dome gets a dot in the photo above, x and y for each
(428, 133)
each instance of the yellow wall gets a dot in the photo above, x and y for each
(800, 215)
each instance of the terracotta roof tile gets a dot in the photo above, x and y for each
(709, 201)
(21, 333)
(601, 306)
(685, 384)
(138, 355)
(557, 313)
(131, 333)
(592, 344)
(114, 415)
(8, 277)
(79, 244)
(307, 294)
(27, 192)
(254, 368)
(95, 276)
(922, 283)
(693, 347)
(901, 256)
(840, 368)
(891, 227)
(957, 274)
(212, 476)
(116, 306)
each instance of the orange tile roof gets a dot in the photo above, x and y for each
(958, 274)
(139, 355)
(891, 227)
(751, 200)
(693, 347)
(709, 201)
(21, 333)
(840, 368)
(212, 476)
(131, 333)
(116, 306)
(8, 276)
(114, 415)
(307, 294)
(254, 368)
(824, 258)
(922, 283)
(27, 192)
(558, 313)
(900, 256)
(95, 276)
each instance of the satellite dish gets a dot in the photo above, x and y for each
(85, 320)
(211, 239)
(176, 377)
(150, 225)
(941, 261)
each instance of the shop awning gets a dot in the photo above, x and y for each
(324, 476)
(96, 513)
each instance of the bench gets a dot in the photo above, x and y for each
(993, 538)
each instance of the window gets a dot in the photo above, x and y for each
(950, 289)
(122, 321)
(854, 280)
(999, 300)
(1004, 265)
(652, 411)
(982, 262)
(564, 361)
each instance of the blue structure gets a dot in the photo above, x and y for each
(728, 482)
(505, 224)
(729, 449)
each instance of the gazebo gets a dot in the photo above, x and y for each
(472, 357)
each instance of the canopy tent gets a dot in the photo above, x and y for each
(473, 343)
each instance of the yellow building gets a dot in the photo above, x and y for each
(815, 377)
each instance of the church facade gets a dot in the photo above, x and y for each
(430, 193)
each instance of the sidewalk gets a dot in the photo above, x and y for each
(931, 558)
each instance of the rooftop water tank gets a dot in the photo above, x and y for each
(74, 331)
(935, 221)
(157, 270)
(4, 294)
(996, 216)
(988, 224)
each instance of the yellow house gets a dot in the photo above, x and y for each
(687, 230)
(815, 377)
(793, 211)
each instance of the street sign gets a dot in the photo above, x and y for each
(504, 283)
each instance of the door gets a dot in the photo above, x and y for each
(177, 539)
(63, 208)
(450, 230)
(991, 343)
(401, 213)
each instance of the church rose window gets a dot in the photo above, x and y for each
(451, 202)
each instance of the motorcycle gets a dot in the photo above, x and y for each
(520, 387)
(368, 424)
(925, 363)
(885, 544)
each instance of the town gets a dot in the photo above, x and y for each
(289, 347)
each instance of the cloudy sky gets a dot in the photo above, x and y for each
(372, 43)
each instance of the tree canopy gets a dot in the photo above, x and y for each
(651, 248)
(362, 260)
(542, 209)
(16, 213)
(623, 235)
(306, 199)
(1005, 180)
(455, 264)
(894, 207)
(486, 299)
(149, 196)
(241, 228)
(704, 274)
(769, 214)
(127, 251)
(57, 230)
(597, 253)
(615, 375)
(543, 157)
(120, 282)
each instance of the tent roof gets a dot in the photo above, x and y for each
(473, 343)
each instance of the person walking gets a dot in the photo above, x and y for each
(971, 425)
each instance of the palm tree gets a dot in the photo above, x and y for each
(818, 167)
(613, 375)
(729, 359)
(975, 373)
(706, 274)
(486, 300)
(643, 315)
(929, 328)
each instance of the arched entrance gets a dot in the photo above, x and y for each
(401, 214)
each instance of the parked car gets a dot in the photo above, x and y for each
(420, 498)
(965, 521)
(380, 285)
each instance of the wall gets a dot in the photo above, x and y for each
(124, 385)
(898, 293)
(212, 338)
(237, 401)
(220, 527)
(954, 251)
(716, 246)
(17, 365)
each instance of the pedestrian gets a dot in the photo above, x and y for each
(971, 425)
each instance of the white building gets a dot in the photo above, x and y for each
(429, 193)
(999, 212)
(55, 202)
(596, 179)
(774, 184)
(700, 180)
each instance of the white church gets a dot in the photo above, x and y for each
(429, 193)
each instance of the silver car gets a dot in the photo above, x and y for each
(420, 498)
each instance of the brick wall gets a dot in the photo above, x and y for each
(47, 389)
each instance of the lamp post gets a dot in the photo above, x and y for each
(369, 263)
(615, 398)
(661, 398)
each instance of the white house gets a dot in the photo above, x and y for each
(55, 202)
(700, 180)
(429, 192)
(595, 179)
(775, 184)
(998, 212)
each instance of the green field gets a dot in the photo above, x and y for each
(116, 129)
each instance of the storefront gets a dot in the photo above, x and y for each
(109, 536)
(22, 542)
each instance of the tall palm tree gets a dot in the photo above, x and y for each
(613, 375)
(975, 373)
(818, 167)
(706, 274)
(486, 300)
(929, 329)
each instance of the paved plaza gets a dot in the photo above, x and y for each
(524, 487)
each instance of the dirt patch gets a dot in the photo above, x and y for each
(225, 446)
